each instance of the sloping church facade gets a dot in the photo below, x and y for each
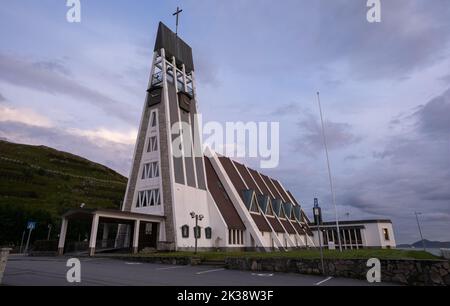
(221, 202)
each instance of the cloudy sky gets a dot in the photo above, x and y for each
(385, 90)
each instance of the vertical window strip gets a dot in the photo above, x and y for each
(153, 121)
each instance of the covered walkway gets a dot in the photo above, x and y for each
(145, 230)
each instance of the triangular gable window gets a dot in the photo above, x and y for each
(282, 214)
(292, 215)
(262, 201)
(254, 206)
(248, 197)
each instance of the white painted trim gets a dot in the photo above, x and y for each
(137, 224)
(286, 233)
(169, 144)
(274, 236)
(279, 193)
(63, 233)
(155, 54)
(94, 229)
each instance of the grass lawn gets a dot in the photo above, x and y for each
(305, 254)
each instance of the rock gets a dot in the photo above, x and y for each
(400, 278)
(443, 272)
(447, 280)
(436, 278)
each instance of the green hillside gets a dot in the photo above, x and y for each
(39, 183)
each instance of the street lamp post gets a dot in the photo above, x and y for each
(196, 229)
(420, 230)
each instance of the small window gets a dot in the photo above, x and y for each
(148, 198)
(197, 232)
(185, 231)
(152, 144)
(153, 120)
(386, 234)
(208, 233)
(150, 170)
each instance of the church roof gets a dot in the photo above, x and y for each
(249, 182)
(223, 201)
(174, 46)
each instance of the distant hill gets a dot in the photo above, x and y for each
(40, 183)
(428, 244)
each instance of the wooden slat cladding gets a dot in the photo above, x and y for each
(247, 178)
(288, 227)
(261, 223)
(281, 191)
(259, 181)
(223, 201)
(233, 175)
(293, 198)
(269, 184)
(275, 224)
(174, 46)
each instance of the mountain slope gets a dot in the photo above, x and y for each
(40, 183)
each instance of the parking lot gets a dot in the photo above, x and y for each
(51, 271)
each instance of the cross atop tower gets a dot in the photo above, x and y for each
(177, 13)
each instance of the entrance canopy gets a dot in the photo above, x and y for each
(109, 216)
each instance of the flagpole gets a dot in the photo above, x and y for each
(333, 197)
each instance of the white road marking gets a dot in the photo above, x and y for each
(170, 268)
(133, 263)
(262, 275)
(209, 271)
(324, 281)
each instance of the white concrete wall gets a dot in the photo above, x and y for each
(187, 200)
(267, 239)
(372, 235)
(375, 238)
(218, 225)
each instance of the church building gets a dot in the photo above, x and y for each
(181, 198)
(238, 206)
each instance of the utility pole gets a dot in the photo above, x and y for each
(318, 221)
(420, 230)
(333, 197)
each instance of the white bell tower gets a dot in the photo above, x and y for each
(167, 177)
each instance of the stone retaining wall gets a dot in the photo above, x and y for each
(157, 260)
(407, 272)
(3, 259)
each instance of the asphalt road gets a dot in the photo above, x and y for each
(28, 271)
